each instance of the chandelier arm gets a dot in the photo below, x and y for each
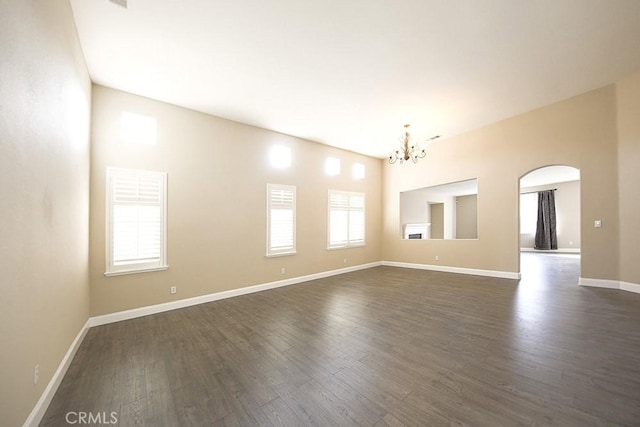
(408, 149)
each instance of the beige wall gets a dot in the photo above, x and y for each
(436, 218)
(216, 205)
(44, 188)
(217, 177)
(567, 198)
(415, 208)
(467, 217)
(579, 132)
(628, 106)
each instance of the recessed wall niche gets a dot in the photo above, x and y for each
(446, 211)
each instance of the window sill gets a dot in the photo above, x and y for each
(334, 248)
(281, 254)
(135, 271)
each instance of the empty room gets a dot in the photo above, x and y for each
(357, 213)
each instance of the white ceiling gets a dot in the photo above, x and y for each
(350, 73)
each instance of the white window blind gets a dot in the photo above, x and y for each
(136, 220)
(281, 219)
(346, 219)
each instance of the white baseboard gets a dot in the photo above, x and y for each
(599, 283)
(553, 251)
(458, 270)
(610, 284)
(173, 305)
(36, 415)
(38, 411)
(43, 403)
(631, 287)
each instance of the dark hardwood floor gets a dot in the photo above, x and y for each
(378, 347)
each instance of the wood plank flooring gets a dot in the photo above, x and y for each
(378, 347)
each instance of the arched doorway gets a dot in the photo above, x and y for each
(537, 258)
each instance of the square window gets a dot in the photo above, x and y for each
(332, 166)
(138, 129)
(358, 171)
(280, 156)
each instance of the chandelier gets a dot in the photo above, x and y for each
(408, 149)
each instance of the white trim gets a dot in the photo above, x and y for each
(610, 284)
(41, 407)
(141, 270)
(35, 417)
(37, 413)
(458, 270)
(599, 283)
(173, 305)
(631, 287)
(552, 251)
(281, 254)
(355, 245)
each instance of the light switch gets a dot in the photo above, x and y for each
(597, 223)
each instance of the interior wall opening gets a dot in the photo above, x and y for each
(549, 226)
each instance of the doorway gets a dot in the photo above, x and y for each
(536, 259)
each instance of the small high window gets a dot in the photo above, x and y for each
(358, 171)
(280, 156)
(138, 129)
(332, 166)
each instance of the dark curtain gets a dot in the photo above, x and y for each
(546, 237)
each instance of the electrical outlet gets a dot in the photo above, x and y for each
(344, 260)
(597, 223)
(282, 270)
(174, 289)
(437, 257)
(36, 374)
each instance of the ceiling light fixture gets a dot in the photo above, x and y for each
(409, 149)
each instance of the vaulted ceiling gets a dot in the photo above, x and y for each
(351, 73)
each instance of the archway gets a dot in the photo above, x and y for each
(564, 182)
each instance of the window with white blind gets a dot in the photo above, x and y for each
(346, 219)
(136, 221)
(281, 220)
